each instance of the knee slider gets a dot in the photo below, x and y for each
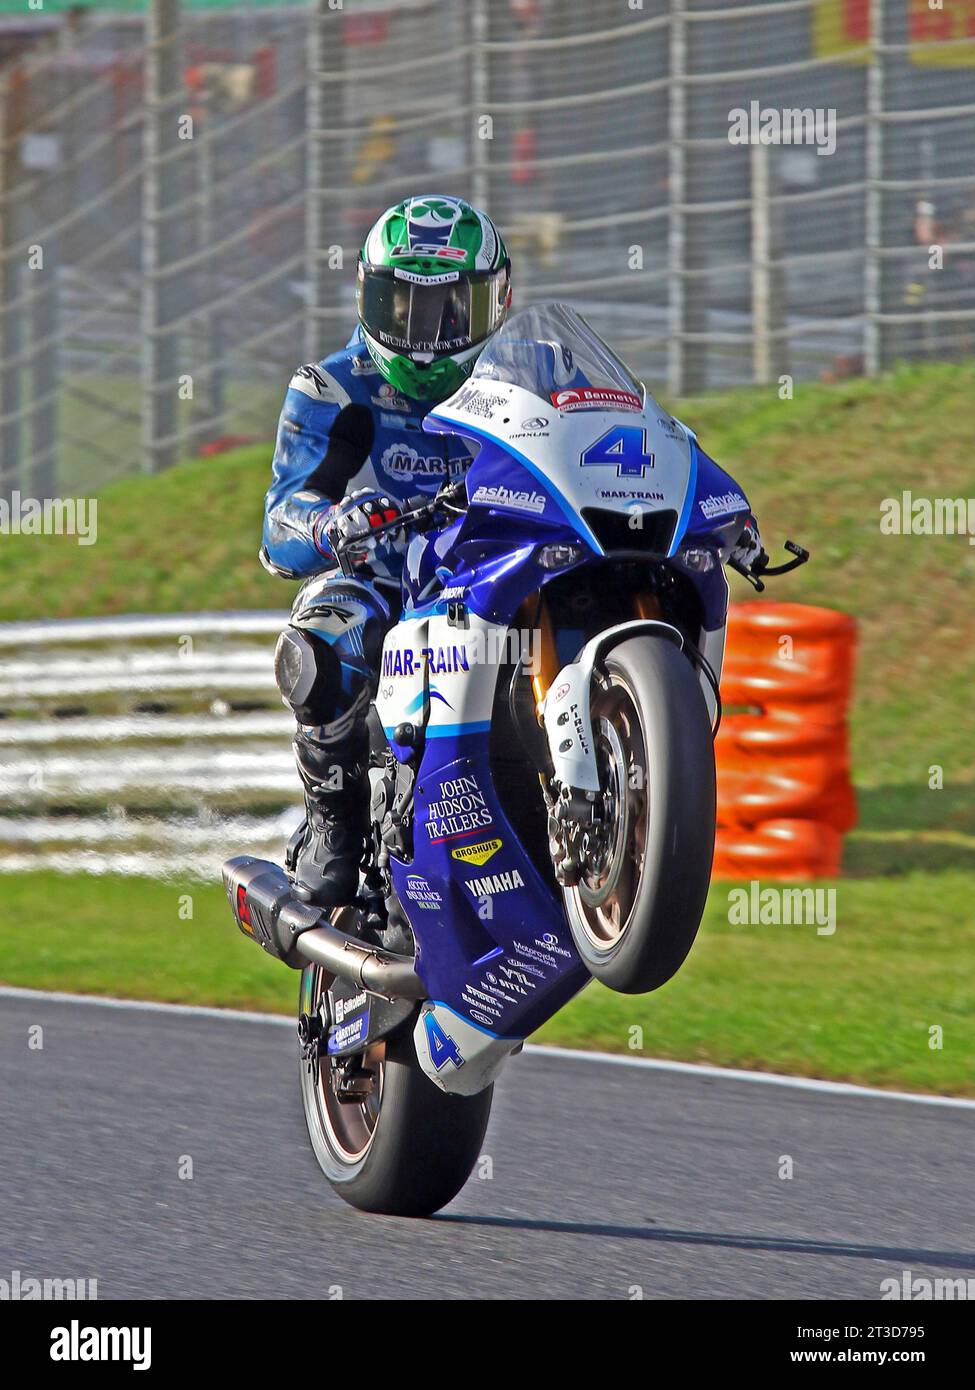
(308, 675)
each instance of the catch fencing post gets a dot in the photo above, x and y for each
(768, 342)
(480, 192)
(10, 285)
(324, 117)
(677, 160)
(160, 350)
(876, 275)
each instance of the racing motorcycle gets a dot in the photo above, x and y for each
(542, 768)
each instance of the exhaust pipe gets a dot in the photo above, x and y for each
(266, 910)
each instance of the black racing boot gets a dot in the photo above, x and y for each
(325, 864)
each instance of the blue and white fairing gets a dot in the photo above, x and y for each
(576, 460)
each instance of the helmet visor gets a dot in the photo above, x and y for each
(439, 314)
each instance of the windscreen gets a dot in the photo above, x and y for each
(549, 349)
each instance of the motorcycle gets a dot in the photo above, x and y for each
(542, 769)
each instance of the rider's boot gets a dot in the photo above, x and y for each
(325, 861)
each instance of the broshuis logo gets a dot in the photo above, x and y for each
(476, 854)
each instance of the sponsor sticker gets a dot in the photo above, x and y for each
(389, 398)
(495, 883)
(501, 496)
(477, 402)
(727, 502)
(595, 398)
(363, 365)
(445, 279)
(310, 381)
(348, 1033)
(423, 248)
(345, 1008)
(403, 661)
(616, 494)
(461, 810)
(419, 891)
(401, 460)
(476, 854)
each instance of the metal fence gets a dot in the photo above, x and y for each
(184, 185)
(143, 745)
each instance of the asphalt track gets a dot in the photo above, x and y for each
(607, 1179)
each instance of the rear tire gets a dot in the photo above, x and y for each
(635, 912)
(408, 1148)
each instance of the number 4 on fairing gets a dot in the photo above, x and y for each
(623, 445)
(443, 1049)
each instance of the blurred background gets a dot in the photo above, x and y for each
(184, 185)
(199, 175)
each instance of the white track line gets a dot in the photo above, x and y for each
(798, 1083)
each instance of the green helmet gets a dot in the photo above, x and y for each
(432, 286)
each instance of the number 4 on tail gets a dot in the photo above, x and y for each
(625, 446)
(442, 1047)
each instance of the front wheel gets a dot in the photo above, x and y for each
(646, 864)
(387, 1139)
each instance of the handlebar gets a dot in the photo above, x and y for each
(761, 569)
(423, 517)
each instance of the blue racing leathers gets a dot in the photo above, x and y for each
(342, 428)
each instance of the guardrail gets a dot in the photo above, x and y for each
(143, 744)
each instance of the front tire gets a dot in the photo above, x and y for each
(407, 1148)
(636, 909)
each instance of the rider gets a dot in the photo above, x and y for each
(432, 288)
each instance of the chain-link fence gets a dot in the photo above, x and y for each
(729, 192)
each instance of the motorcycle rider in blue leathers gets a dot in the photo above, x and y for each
(432, 288)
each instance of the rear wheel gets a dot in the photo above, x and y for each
(646, 864)
(387, 1139)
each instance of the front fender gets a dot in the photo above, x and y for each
(565, 709)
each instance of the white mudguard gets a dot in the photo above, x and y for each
(565, 709)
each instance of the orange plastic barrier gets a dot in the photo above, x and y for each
(785, 796)
(791, 849)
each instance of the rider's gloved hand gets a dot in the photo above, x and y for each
(748, 547)
(352, 526)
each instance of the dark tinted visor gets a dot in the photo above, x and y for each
(438, 314)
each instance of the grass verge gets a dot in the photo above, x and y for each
(856, 1006)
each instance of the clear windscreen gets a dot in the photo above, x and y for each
(548, 348)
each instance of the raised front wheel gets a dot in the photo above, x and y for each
(646, 861)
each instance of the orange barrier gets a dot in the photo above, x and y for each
(793, 849)
(785, 796)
